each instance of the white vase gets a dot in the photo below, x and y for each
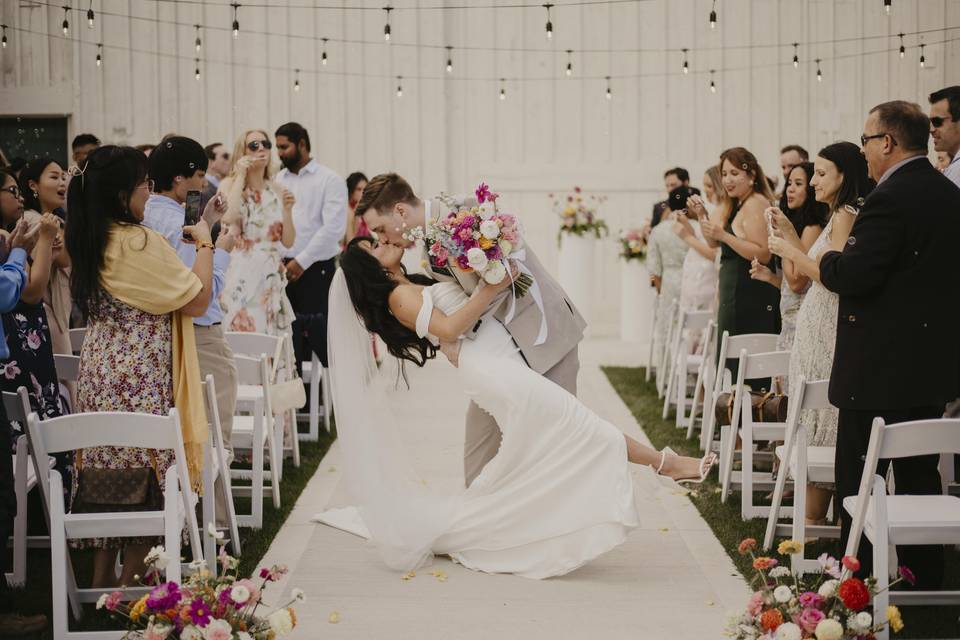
(637, 299)
(576, 270)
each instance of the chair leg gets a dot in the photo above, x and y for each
(294, 437)
(19, 575)
(208, 510)
(314, 402)
(256, 489)
(327, 406)
(746, 473)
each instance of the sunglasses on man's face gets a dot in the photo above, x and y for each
(254, 145)
(937, 121)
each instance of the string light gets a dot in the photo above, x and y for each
(296, 79)
(3, 40)
(66, 22)
(99, 54)
(796, 58)
(90, 16)
(886, 5)
(548, 6)
(713, 85)
(399, 86)
(503, 89)
(686, 65)
(819, 73)
(323, 56)
(923, 60)
(196, 72)
(713, 15)
(903, 50)
(198, 44)
(569, 62)
(386, 27)
(609, 92)
(449, 59)
(236, 22)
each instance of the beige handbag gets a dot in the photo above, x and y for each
(285, 394)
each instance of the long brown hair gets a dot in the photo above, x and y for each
(746, 161)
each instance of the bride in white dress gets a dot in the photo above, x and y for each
(559, 491)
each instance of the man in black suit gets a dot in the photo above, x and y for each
(896, 355)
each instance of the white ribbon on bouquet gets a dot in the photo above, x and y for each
(534, 290)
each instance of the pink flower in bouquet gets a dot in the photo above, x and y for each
(464, 233)
(251, 587)
(854, 594)
(829, 565)
(113, 600)
(218, 630)
(907, 575)
(157, 631)
(850, 563)
(468, 221)
(746, 545)
(810, 599)
(463, 264)
(809, 619)
(440, 255)
(164, 596)
(763, 563)
(199, 612)
(484, 194)
(494, 253)
(755, 605)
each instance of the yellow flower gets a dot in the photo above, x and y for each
(569, 212)
(334, 617)
(789, 547)
(893, 617)
(137, 609)
(485, 243)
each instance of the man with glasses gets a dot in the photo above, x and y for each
(896, 352)
(945, 128)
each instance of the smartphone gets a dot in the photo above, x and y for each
(191, 211)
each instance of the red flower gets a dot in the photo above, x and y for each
(854, 594)
(577, 189)
(850, 563)
(907, 575)
(771, 619)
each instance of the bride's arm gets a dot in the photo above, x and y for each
(406, 300)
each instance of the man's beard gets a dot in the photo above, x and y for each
(291, 163)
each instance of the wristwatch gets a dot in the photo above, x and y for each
(205, 245)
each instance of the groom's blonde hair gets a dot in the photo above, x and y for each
(383, 192)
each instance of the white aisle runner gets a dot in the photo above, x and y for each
(671, 579)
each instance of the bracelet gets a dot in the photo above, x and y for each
(205, 245)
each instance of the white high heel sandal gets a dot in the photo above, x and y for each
(706, 466)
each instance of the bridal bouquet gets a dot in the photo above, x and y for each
(203, 607)
(633, 245)
(476, 240)
(823, 605)
(578, 213)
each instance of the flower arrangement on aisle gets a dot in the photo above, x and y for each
(204, 607)
(578, 214)
(829, 605)
(633, 244)
(477, 240)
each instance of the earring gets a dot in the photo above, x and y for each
(35, 194)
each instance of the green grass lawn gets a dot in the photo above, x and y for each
(36, 597)
(724, 519)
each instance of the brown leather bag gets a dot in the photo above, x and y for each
(113, 490)
(766, 406)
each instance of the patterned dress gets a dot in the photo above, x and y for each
(254, 297)
(126, 365)
(813, 345)
(665, 255)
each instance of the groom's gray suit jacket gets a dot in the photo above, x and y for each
(565, 325)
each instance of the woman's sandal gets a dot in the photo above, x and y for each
(706, 466)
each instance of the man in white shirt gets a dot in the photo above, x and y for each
(945, 128)
(320, 218)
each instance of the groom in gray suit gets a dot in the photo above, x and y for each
(391, 209)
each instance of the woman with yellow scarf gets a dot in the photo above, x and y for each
(139, 353)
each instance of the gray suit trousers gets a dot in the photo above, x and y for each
(482, 439)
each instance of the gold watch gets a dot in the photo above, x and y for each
(205, 245)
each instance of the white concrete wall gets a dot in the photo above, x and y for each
(450, 131)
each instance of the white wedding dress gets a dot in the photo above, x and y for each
(558, 493)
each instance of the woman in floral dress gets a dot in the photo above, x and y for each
(260, 210)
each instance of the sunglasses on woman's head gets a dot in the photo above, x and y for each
(254, 145)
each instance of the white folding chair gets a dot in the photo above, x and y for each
(905, 520)
(730, 347)
(17, 406)
(665, 357)
(68, 367)
(317, 376)
(76, 339)
(691, 328)
(255, 433)
(704, 378)
(216, 466)
(803, 463)
(651, 365)
(279, 350)
(758, 365)
(119, 429)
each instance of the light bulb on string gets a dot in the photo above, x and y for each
(713, 85)
(399, 86)
(886, 5)
(796, 57)
(3, 39)
(90, 16)
(923, 59)
(386, 27)
(323, 56)
(449, 59)
(569, 71)
(198, 43)
(903, 50)
(609, 91)
(819, 73)
(549, 6)
(66, 21)
(503, 89)
(686, 64)
(196, 72)
(99, 54)
(236, 21)
(296, 80)
(713, 15)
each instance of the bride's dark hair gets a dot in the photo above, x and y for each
(370, 286)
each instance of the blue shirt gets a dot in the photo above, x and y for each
(13, 277)
(165, 216)
(889, 172)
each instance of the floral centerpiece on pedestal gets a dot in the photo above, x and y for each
(828, 605)
(204, 606)
(633, 244)
(578, 214)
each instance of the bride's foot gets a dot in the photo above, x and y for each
(683, 468)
